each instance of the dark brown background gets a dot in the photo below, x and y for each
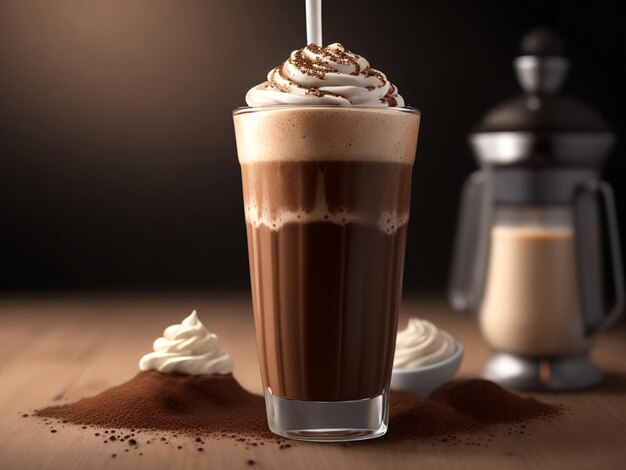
(118, 166)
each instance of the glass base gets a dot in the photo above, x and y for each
(328, 421)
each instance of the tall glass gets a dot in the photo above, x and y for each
(326, 194)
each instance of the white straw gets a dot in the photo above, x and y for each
(314, 22)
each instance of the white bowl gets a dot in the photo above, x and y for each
(425, 380)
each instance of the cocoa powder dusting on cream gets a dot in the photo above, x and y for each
(389, 98)
(316, 68)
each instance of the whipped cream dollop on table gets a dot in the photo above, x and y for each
(422, 344)
(188, 348)
(328, 75)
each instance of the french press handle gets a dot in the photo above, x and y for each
(469, 263)
(587, 219)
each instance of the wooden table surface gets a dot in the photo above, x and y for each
(61, 349)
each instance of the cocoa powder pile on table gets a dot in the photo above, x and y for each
(216, 405)
(191, 404)
(489, 403)
(461, 407)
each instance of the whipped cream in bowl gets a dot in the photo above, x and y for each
(425, 358)
(188, 348)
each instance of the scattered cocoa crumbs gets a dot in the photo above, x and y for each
(132, 442)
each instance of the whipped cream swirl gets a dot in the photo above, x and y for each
(328, 75)
(188, 348)
(422, 344)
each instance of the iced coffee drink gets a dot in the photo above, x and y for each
(326, 151)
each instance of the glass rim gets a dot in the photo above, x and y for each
(275, 107)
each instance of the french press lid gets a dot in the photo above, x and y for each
(542, 128)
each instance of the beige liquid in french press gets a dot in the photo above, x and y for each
(531, 305)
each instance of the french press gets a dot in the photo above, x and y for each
(538, 236)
